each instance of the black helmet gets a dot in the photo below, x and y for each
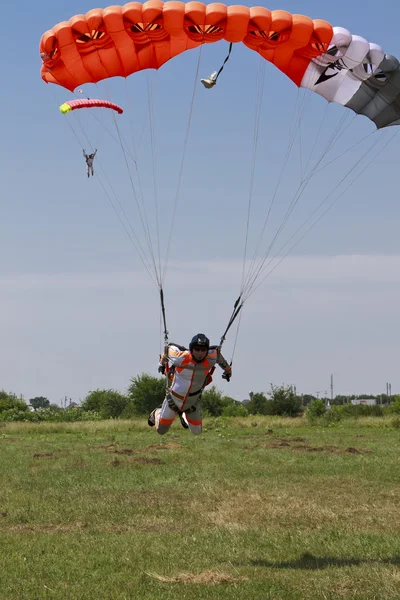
(199, 340)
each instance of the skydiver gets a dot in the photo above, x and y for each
(190, 372)
(89, 161)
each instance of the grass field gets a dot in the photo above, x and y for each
(256, 508)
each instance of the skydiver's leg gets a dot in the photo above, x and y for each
(164, 418)
(88, 172)
(194, 420)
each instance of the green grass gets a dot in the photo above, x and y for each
(256, 508)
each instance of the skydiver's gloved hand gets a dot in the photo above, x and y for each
(227, 374)
(162, 364)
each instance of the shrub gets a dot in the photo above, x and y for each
(395, 407)
(316, 408)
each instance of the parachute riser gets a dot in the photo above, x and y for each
(236, 309)
(167, 379)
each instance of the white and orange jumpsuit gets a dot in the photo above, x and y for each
(188, 381)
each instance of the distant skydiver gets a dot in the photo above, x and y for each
(89, 161)
(190, 372)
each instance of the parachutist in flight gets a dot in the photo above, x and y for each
(89, 161)
(190, 372)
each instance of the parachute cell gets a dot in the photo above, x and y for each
(74, 104)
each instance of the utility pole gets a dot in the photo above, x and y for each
(331, 386)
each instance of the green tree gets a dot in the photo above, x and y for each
(109, 403)
(10, 401)
(39, 402)
(145, 393)
(395, 406)
(317, 408)
(235, 409)
(258, 404)
(284, 401)
(212, 402)
(307, 399)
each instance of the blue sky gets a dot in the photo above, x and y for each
(78, 310)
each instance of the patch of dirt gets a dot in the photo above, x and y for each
(114, 449)
(145, 460)
(7, 439)
(206, 578)
(288, 443)
(116, 462)
(49, 528)
(43, 455)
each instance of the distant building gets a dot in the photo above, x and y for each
(245, 401)
(367, 401)
(73, 405)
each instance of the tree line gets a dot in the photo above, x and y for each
(145, 392)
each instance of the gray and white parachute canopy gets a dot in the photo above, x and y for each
(359, 75)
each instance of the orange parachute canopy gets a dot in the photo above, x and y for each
(121, 40)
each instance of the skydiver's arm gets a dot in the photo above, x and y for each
(223, 363)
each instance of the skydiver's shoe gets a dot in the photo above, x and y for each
(182, 417)
(152, 418)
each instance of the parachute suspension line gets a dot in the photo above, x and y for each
(155, 179)
(259, 101)
(300, 115)
(136, 147)
(292, 137)
(236, 335)
(302, 187)
(336, 135)
(316, 138)
(141, 210)
(295, 199)
(182, 162)
(343, 153)
(251, 291)
(131, 234)
(71, 127)
(144, 220)
(127, 225)
(110, 133)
